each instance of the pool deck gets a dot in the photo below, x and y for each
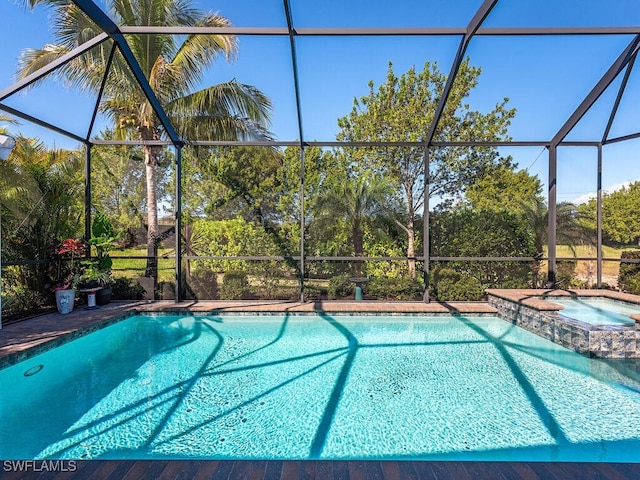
(325, 470)
(21, 339)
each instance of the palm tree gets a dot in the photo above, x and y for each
(174, 68)
(6, 119)
(355, 201)
(569, 228)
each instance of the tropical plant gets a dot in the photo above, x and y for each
(91, 275)
(174, 67)
(103, 238)
(570, 228)
(41, 195)
(6, 119)
(65, 266)
(355, 201)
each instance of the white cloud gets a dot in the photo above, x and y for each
(584, 198)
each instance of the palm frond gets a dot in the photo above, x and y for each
(31, 59)
(234, 100)
(213, 128)
(198, 52)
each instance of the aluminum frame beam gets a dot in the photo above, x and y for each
(339, 32)
(178, 224)
(103, 21)
(297, 143)
(631, 136)
(473, 26)
(551, 227)
(87, 193)
(616, 104)
(42, 123)
(599, 252)
(63, 60)
(296, 85)
(101, 91)
(618, 65)
(426, 242)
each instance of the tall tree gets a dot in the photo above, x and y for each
(620, 220)
(118, 184)
(502, 187)
(174, 67)
(402, 109)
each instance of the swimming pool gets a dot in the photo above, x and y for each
(317, 386)
(597, 311)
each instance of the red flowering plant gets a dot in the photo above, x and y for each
(64, 265)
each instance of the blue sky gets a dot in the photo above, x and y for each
(545, 78)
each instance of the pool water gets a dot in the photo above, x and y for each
(319, 386)
(597, 311)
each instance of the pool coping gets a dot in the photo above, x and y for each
(528, 296)
(28, 338)
(525, 309)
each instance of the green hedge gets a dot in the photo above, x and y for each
(395, 289)
(629, 276)
(340, 286)
(448, 285)
(235, 285)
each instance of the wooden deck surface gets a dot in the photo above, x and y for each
(315, 470)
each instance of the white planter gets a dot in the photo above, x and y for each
(65, 300)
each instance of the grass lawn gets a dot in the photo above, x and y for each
(134, 268)
(586, 269)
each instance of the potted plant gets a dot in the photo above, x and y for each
(90, 276)
(62, 271)
(103, 240)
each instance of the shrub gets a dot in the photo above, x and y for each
(452, 286)
(314, 292)
(629, 276)
(485, 233)
(126, 289)
(395, 288)
(235, 285)
(340, 286)
(203, 284)
(566, 274)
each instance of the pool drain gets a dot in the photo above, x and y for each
(33, 370)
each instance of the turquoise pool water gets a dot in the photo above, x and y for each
(597, 311)
(332, 387)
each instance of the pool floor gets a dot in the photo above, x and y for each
(318, 387)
